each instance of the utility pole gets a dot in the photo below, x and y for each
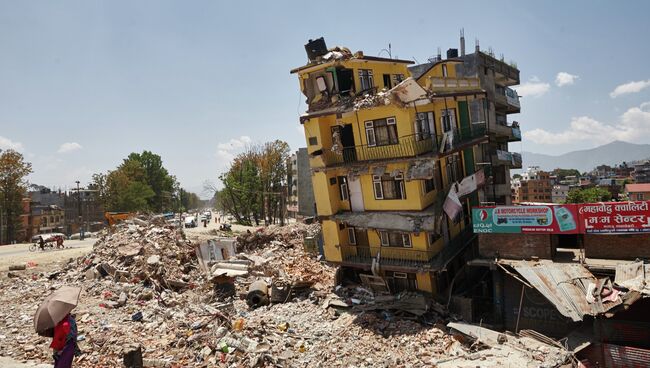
(80, 218)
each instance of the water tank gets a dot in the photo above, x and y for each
(316, 48)
(452, 53)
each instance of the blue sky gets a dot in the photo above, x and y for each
(84, 83)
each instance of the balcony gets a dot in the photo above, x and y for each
(389, 256)
(508, 99)
(407, 146)
(513, 132)
(457, 139)
(511, 159)
(450, 85)
(407, 257)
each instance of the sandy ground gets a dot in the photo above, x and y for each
(17, 254)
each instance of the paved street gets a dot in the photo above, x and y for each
(19, 253)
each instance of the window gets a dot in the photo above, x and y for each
(477, 111)
(453, 168)
(352, 238)
(639, 196)
(397, 79)
(343, 188)
(387, 83)
(313, 141)
(444, 70)
(448, 119)
(423, 122)
(388, 187)
(333, 181)
(381, 132)
(366, 79)
(428, 185)
(432, 238)
(391, 239)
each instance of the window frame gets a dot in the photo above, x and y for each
(352, 237)
(378, 183)
(384, 239)
(366, 75)
(388, 123)
(432, 186)
(344, 193)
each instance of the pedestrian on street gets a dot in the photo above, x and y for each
(64, 342)
(41, 242)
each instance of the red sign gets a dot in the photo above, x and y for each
(614, 217)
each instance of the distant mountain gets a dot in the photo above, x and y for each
(612, 153)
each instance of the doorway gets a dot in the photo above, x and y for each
(347, 140)
(356, 195)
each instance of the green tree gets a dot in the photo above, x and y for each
(13, 187)
(156, 176)
(589, 195)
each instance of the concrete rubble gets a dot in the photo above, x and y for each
(145, 296)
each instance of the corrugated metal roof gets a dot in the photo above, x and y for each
(634, 276)
(564, 285)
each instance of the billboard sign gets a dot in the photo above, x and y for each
(560, 219)
(615, 217)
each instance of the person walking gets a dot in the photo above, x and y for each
(64, 342)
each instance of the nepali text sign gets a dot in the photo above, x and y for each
(615, 217)
(561, 219)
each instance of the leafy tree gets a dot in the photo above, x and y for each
(589, 195)
(189, 200)
(516, 176)
(140, 183)
(13, 187)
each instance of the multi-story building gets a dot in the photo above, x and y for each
(559, 193)
(641, 172)
(387, 145)
(46, 219)
(301, 192)
(534, 185)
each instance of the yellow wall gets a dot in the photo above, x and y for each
(424, 280)
(328, 199)
(331, 239)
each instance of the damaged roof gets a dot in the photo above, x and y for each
(565, 285)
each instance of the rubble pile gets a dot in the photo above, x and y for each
(146, 297)
(151, 252)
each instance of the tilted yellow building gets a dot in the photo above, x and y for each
(386, 144)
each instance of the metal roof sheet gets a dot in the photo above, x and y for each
(564, 285)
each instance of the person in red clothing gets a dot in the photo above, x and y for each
(64, 342)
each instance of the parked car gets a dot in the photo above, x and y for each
(190, 221)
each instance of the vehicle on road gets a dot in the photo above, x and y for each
(190, 221)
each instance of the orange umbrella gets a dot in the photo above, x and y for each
(54, 308)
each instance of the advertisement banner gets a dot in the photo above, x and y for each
(560, 219)
(615, 217)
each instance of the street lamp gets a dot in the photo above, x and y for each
(80, 218)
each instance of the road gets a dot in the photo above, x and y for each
(7, 362)
(20, 254)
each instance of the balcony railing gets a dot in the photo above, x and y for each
(507, 96)
(513, 132)
(456, 138)
(439, 84)
(407, 146)
(393, 256)
(512, 159)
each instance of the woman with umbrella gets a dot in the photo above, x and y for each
(53, 319)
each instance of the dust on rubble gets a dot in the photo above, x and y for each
(144, 291)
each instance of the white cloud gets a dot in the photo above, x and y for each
(69, 147)
(6, 144)
(533, 88)
(235, 143)
(633, 126)
(565, 79)
(630, 87)
(226, 151)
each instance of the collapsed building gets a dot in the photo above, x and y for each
(575, 272)
(399, 154)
